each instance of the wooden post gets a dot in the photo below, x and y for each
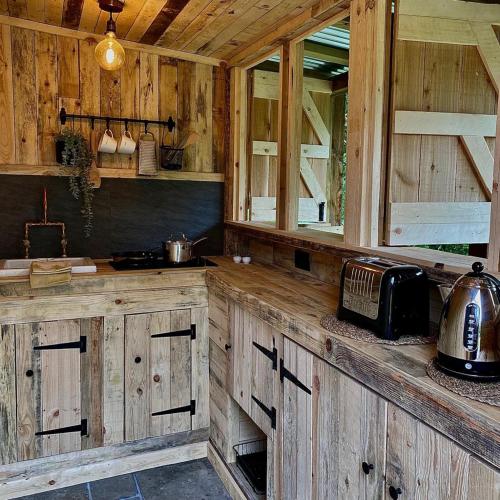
(236, 183)
(367, 124)
(494, 246)
(289, 140)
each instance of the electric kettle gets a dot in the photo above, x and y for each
(469, 329)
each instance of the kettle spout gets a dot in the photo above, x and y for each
(444, 291)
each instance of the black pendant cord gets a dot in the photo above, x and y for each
(63, 117)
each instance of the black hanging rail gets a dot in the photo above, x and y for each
(63, 117)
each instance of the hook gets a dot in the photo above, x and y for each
(126, 125)
(146, 123)
(62, 116)
(92, 122)
(107, 123)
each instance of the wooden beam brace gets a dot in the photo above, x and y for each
(433, 123)
(482, 160)
(489, 50)
(269, 148)
(315, 119)
(311, 181)
(290, 128)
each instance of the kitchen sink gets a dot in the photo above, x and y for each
(21, 267)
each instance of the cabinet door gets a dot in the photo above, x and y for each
(422, 464)
(254, 363)
(296, 372)
(166, 372)
(349, 438)
(50, 372)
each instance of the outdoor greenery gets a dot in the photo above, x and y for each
(78, 157)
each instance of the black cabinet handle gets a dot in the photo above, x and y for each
(29, 373)
(227, 347)
(138, 359)
(366, 467)
(394, 492)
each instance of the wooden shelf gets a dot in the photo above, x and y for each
(113, 173)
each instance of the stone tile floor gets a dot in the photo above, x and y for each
(196, 480)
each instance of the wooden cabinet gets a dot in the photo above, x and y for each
(52, 389)
(421, 464)
(333, 431)
(166, 372)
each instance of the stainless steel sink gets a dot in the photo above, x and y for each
(21, 267)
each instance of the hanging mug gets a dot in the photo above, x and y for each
(126, 145)
(107, 144)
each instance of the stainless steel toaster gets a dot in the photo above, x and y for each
(389, 298)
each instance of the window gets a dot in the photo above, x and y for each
(324, 128)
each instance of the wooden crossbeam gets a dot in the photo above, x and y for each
(270, 148)
(264, 209)
(433, 123)
(482, 160)
(311, 181)
(438, 223)
(315, 119)
(326, 53)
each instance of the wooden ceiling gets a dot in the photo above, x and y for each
(216, 28)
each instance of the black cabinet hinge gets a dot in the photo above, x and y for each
(272, 355)
(270, 412)
(82, 428)
(284, 373)
(191, 408)
(179, 333)
(79, 344)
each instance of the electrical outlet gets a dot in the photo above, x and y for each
(302, 260)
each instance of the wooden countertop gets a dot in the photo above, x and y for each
(294, 305)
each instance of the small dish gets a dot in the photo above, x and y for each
(247, 260)
(236, 259)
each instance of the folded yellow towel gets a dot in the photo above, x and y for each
(46, 274)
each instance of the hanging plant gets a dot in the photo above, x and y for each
(78, 157)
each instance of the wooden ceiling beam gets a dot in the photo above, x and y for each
(326, 53)
(80, 35)
(288, 29)
(72, 13)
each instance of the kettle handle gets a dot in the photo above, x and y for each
(199, 241)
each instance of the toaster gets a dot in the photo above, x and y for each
(386, 297)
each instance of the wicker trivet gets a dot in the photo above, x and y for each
(485, 392)
(346, 329)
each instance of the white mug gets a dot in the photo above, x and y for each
(107, 144)
(126, 145)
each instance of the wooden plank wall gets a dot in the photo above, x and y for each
(442, 78)
(40, 72)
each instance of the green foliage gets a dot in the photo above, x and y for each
(78, 157)
(460, 249)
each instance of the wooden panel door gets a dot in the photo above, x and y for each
(166, 372)
(296, 372)
(349, 437)
(254, 364)
(48, 360)
(422, 464)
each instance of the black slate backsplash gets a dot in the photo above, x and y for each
(129, 214)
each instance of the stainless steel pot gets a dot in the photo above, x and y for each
(179, 250)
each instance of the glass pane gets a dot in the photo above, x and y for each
(324, 129)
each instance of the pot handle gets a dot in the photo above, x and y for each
(199, 241)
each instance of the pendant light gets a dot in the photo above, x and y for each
(108, 52)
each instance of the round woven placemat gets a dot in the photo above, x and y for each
(485, 392)
(346, 329)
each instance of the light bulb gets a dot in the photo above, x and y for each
(109, 53)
